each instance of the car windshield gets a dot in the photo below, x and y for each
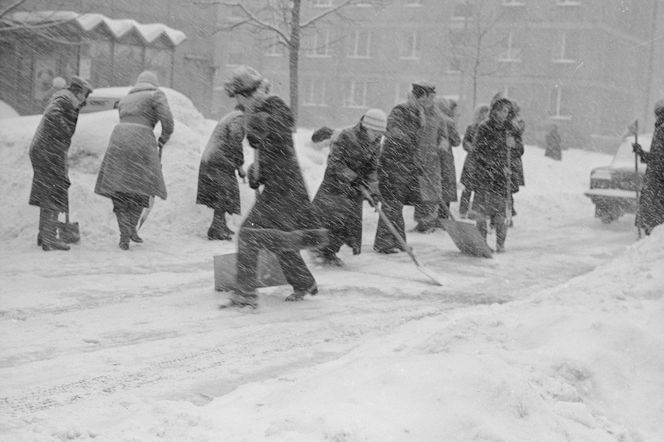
(624, 157)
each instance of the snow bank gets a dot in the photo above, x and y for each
(6, 111)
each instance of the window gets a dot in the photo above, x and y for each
(412, 3)
(557, 109)
(511, 52)
(410, 46)
(463, 10)
(314, 92)
(356, 94)
(566, 49)
(234, 13)
(568, 3)
(322, 3)
(320, 45)
(401, 92)
(457, 53)
(360, 45)
(274, 48)
(514, 3)
(363, 4)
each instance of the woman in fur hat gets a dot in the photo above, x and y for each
(130, 172)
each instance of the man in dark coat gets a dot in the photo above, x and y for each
(283, 219)
(468, 171)
(491, 171)
(352, 163)
(48, 155)
(650, 212)
(217, 185)
(552, 141)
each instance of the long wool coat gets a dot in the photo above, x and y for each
(651, 203)
(492, 185)
(48, 152)
(217, 185)
(353, 160)
(468, 178)
(447, 167)
(431, 135)
(131, 163)
(284, 202)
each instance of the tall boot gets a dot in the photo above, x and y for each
(501, 233)
(218, 228)
(134, 214)
(124, 225)
(49, 231)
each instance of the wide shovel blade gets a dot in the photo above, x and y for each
(467, 238)
(268, 272)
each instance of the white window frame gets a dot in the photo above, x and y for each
(322, 3)
(568, 3)
(349, 98)
(414, 50)
(317, 50)
(413, 3)
(460, 17)
(362, 4)
(514, 3)
(558, 91)
(511, 57)
(315, 92)
(355, 53)
(560, 56)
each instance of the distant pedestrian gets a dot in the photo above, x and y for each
(283, 219)
(48, 155)
(650, 213)
(468, 179)
(130, 172)
(217, 184)
(553, 147)
(351, 165)
(491, 171)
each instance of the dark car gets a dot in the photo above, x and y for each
(613, 188)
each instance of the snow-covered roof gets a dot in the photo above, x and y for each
(91, 23)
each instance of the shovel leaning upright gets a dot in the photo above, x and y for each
(146, 212)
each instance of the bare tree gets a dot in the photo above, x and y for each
(475, 48)
(283, 20)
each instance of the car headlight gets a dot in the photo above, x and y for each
(601, 174)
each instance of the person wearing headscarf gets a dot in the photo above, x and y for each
(650, 212)
(283, 220)
(48, 156)
(217, 184)
(468, 179)
(130, 172)
(351, 166)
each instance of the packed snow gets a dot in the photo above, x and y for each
(560, 338)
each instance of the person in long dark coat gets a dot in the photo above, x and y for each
(283, 219)
(450, 140)
(552, 141)
(491, 170)
(130, 172)
(398, 173)
(352, 163)
(468, 179)
(217, 185)
(48, 155)
(650, 211)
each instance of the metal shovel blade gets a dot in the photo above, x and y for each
(467, 238)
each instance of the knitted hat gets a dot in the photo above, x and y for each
(148, 77)
(59, 83)
(375, 119)
(244, 80)
(80, 84)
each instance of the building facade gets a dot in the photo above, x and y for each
(580, 64)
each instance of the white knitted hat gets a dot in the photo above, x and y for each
(375, 119)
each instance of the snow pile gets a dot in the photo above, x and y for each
(6, 111)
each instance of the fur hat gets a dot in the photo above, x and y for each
(375, 119)
(244, 80)
(148, 77)
(78, 83)
(321, 134)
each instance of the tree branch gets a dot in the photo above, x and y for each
(9, 8)
(322, 15)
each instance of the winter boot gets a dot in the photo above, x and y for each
(218, 229)
(124, 225)
(48, 234)
(134, 215)
(244, 298)
(298, 295)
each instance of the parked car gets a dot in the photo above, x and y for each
(613, 187)
(103, 99)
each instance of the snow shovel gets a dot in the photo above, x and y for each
(69, 232)
(146, 212)
(464, 234)
(268, 271)
(393, 230)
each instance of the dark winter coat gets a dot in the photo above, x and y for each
(131, 163)
(552, 141)
(48, 152)
(398, 168)
(515, 130)
(284, 203)
(430, 138)
(353, 161)
(651, 202)
(492, 185)
(217, 184)
(468, 178)
(448, 177)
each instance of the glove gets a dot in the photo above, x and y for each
(241, 173)
(636, 148)
(253, 176)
